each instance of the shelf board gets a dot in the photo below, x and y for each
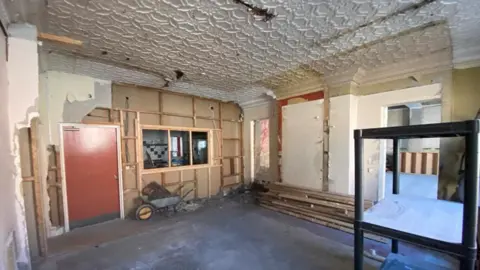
(427, 218)
(448, 129)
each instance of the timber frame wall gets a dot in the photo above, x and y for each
(134, 107)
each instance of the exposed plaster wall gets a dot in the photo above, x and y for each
(7, 184)
(70, 97)
(22, 69)
(265, 110)
(67, 98)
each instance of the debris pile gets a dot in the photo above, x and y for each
(328, 209)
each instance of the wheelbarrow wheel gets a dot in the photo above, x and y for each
(144, 212)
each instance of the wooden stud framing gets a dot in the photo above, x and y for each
(190, 150)
(222, 183)
(159, 127)
(139, 152)
(37, 190)
(195, 177)
(242, 162)
(326, 132)
(122, 133)
(215, 135)
(181, 183)
(209, 184)
(169, 149)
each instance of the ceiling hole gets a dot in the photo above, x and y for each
(104, 52)
(128, 58)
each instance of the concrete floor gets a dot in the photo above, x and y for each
(227, 234)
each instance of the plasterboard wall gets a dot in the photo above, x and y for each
(302, 144)
(372, 112)
(343, 120)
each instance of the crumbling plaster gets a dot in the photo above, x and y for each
(7, 185)
(64, 98)
(22, 68)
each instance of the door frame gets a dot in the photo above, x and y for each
(62, 168)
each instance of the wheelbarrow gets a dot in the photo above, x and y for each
(167, 200)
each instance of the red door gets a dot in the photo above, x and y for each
(91, 168)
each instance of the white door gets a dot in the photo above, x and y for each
(302, 144)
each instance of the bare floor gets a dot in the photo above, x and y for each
(228, 234)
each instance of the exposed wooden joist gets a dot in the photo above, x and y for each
(59, 39)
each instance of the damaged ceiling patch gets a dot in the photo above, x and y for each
(257, 11)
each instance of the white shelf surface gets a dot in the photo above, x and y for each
(431, 218)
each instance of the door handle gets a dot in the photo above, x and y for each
(115, 176)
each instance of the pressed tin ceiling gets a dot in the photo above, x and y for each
(221, 45)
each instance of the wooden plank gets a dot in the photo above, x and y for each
(416, 162)
(39, 217)
(208, 118)
(169, 150)
(326, 134)
(322, 222)
(315, 194)
(232, 167)
(159, 127)
(194, 109)
(160, 106)
(221, 144)
(28, 179)
(178, 168)
(242, 159)
(139, 152)
(59, 39)
(122, 134)
(209, 183)
(181, 183)
(195, 178)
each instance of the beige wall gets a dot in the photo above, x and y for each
(262, 111)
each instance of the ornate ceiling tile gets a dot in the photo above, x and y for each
(219, 44)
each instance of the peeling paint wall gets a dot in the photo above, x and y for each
(69, 97)
(22, 68)
(7, 187)
(64, 98)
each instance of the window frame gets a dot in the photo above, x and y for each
(169, 140)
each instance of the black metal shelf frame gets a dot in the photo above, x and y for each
(466, 251)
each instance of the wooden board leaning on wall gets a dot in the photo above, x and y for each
(134, 106)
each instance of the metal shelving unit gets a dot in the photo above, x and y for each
(465, 248)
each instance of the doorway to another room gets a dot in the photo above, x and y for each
(261, 150)
(419, 158)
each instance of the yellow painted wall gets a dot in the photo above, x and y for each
(466, 90)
